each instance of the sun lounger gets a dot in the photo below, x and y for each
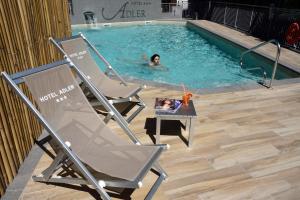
(86, 151)
(117, 91)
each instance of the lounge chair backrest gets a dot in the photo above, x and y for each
(80, 55)
(68, 112)
(60, 100)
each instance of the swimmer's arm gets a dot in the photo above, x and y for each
(158, 67)
(135, 62)
(144, 57)
(163, 68)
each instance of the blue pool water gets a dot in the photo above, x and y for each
(189, 58)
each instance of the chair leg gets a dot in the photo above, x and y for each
(142, 106)
(158, 168)
(107, 118)
(131, 117)
(155, 186)
(47, 173)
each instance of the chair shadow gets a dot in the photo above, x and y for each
(124, 108)
(168, 127)
(124, 194)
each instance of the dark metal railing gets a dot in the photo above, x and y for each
(265, 22)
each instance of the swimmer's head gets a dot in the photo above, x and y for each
(155, 59)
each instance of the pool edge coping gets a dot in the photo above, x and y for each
(237, 42)
(120, 24)
(216, 90)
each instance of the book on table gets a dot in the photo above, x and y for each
(167, 105)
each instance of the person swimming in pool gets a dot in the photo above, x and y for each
(155, 62)
(152, 63)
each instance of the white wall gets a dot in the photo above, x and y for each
(116, 10)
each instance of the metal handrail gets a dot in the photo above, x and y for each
(256, 6)
(276, 60)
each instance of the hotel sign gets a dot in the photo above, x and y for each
(97, 11)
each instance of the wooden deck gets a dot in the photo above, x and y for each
(246, 146)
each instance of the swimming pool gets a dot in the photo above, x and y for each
(193, 57)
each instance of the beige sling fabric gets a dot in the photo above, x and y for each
(79, 53)
(68, 112)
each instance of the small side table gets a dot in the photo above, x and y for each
(183, 113)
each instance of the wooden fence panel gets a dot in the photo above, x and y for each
(25, 27)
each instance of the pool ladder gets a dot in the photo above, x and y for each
(263, 72)
(264, 82)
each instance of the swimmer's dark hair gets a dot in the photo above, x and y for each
(152, 57)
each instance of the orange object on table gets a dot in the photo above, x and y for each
(186, 98)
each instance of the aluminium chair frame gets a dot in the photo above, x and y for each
(109, 70)
(113, 113)
(65, 157)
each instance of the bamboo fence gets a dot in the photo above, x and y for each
(25, 26)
